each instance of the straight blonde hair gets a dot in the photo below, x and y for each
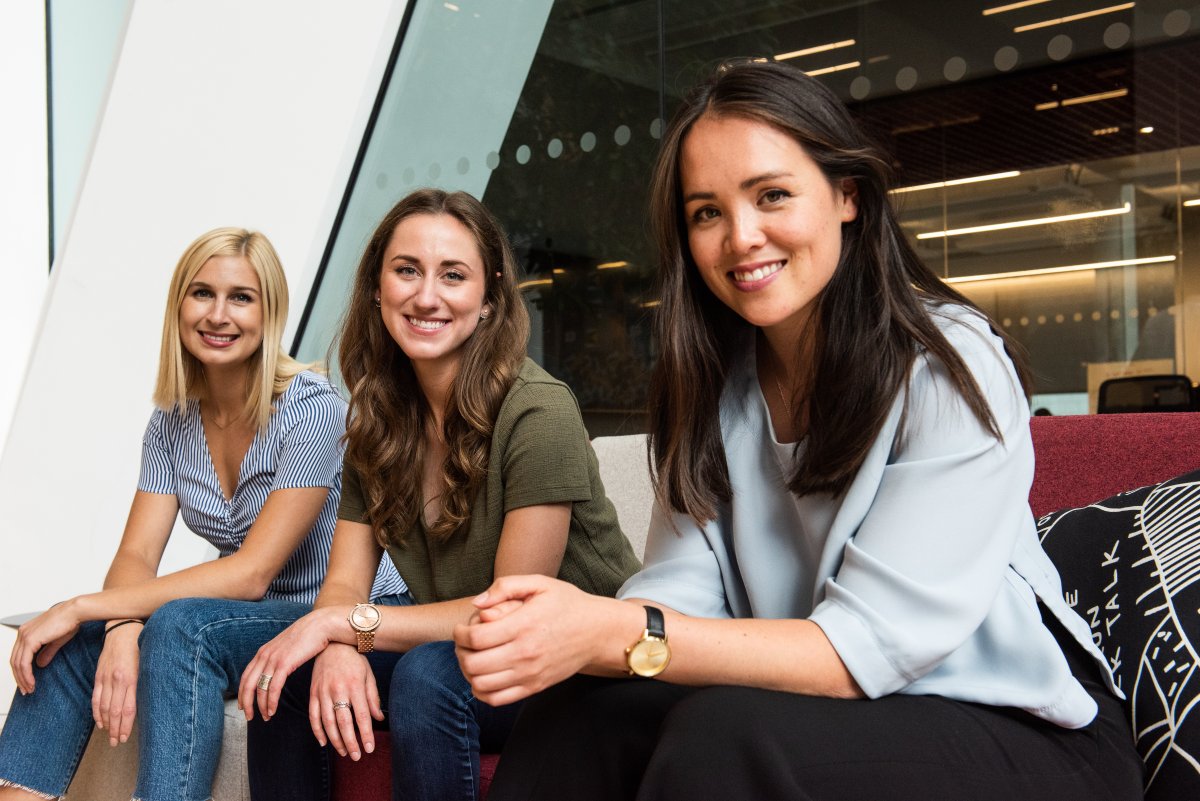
(180, 375)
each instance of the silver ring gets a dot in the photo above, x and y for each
(264, 681)
(341, 704)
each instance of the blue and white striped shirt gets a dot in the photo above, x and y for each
(301, 447)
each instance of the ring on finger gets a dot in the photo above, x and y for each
(341, 704)
(264, 681)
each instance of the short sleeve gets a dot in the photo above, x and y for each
(158, 472)
(351, 507)
(313, 421)
(682, 571)
(923, 569)
(546, 457)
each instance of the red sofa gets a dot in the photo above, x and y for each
(1080, 460)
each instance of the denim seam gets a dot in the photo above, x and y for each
(472, 775)
(191, 722)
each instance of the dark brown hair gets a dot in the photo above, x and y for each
(385, 430)
(871, 319)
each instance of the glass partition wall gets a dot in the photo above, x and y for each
(1046, 154)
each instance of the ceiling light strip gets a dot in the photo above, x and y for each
(1072, 268)
(838, 68)
(1193, 202)
(978, 229)
(535, 282)
(987, 12)
(1112, 94)
(1073, 17)
(612, 265)
(808, 51)
(957, 182)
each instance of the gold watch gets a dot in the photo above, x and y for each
(650, 655)
(364, 619)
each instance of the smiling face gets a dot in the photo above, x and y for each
(763, 221)
(431, 289)
(221, 317)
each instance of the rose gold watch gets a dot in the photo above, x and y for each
(364, 619)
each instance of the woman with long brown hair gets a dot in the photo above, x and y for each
(844, 595)
(465, 461)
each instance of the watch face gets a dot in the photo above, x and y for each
(649, 657)
(365, 617)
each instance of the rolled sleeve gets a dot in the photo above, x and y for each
(923, 569)
(682, 571)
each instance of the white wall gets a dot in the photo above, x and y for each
(24, 194)
(220, 112)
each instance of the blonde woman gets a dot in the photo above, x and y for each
(245, 444)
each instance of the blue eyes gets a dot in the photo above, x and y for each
(207, 294)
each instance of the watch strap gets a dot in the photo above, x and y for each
(656, 625)
(366, 641)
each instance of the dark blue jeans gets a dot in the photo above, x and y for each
(437, 728)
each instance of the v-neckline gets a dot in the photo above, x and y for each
(212, 465)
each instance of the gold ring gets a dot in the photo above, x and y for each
(264, 681)
(341, 704)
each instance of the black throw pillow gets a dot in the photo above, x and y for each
(1130, 567)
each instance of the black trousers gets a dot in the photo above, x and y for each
(612, 739)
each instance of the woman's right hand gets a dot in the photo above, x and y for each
(39, 640)
(114, 698)
(341, 674)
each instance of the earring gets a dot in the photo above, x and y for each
(483, 315)
(378, 305)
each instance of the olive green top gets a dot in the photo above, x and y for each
(540, 454)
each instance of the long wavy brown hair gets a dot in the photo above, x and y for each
(388, 417)
(871, 319)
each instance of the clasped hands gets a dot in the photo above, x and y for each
(529, 633)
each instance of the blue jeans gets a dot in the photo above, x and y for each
(192, 655)
(437, 728)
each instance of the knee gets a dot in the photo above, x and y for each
(427, 683)
(172, 623)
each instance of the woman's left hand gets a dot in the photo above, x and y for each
(40, 639)
(279, 658)
(343, 697)
(511, 651)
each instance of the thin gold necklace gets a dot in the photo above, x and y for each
(787, 407)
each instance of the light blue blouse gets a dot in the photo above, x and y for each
(301, 447)
(925, 574)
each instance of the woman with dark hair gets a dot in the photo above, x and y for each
(465, 461)
(245, 446)
(844, 594)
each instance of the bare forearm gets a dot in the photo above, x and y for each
(557, 630)
(125, 596)
(402, 627)
(789, 655)
(340, 593)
